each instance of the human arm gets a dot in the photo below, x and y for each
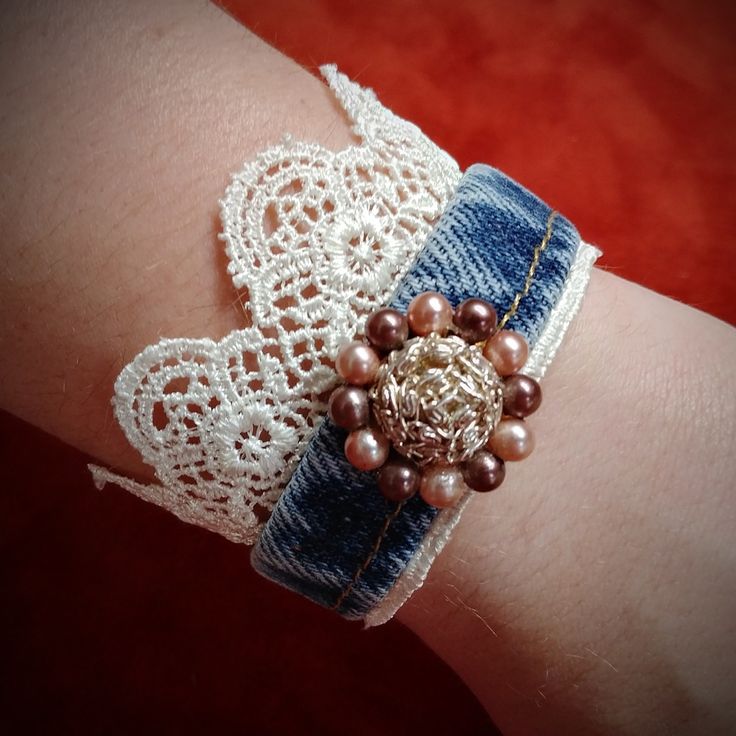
(135, 149)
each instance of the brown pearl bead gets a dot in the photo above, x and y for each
(429, 312)
(348, 407)
(522, 396)
(357, 363)
(442, 486)
(484, 472)
(387, 329)
(507, 350)
(475, 319)
(398, 479)
(512, 440)
(366, 449)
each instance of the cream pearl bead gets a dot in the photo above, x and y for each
(429, 312)
(366, 449)
(507, 350)
(357, 363)
(442, 486)
(512, 440)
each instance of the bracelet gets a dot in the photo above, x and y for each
(334, 536)
(318, 241)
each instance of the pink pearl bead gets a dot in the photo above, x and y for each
(357, 363)
(429, 312)
(442, 486)
(507, 350)
(512, 440)
(366, 449)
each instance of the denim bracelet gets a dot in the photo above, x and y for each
(332, 536)
(318, 243)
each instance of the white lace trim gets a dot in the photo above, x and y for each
(318, 239)
(562, 314)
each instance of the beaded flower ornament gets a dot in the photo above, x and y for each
(439, 412)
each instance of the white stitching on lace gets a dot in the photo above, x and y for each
(318, 239)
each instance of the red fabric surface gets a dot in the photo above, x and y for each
(117, 618)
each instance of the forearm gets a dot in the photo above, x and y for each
(602, 566)
(121, 127)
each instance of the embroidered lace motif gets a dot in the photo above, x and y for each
(317, 239)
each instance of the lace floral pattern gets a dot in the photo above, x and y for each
(318, 239)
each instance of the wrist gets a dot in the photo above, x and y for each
(563, 589)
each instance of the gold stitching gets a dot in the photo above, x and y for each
(538, 250)
(377, 545)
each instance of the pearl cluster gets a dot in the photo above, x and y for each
(367, 448)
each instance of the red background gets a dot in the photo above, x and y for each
(116, 617)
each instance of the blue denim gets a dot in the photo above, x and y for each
(327, 521)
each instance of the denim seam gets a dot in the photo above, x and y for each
(529, 278)
(371, 556)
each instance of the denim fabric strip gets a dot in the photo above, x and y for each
(330, 537)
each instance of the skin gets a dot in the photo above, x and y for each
(594, 593)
